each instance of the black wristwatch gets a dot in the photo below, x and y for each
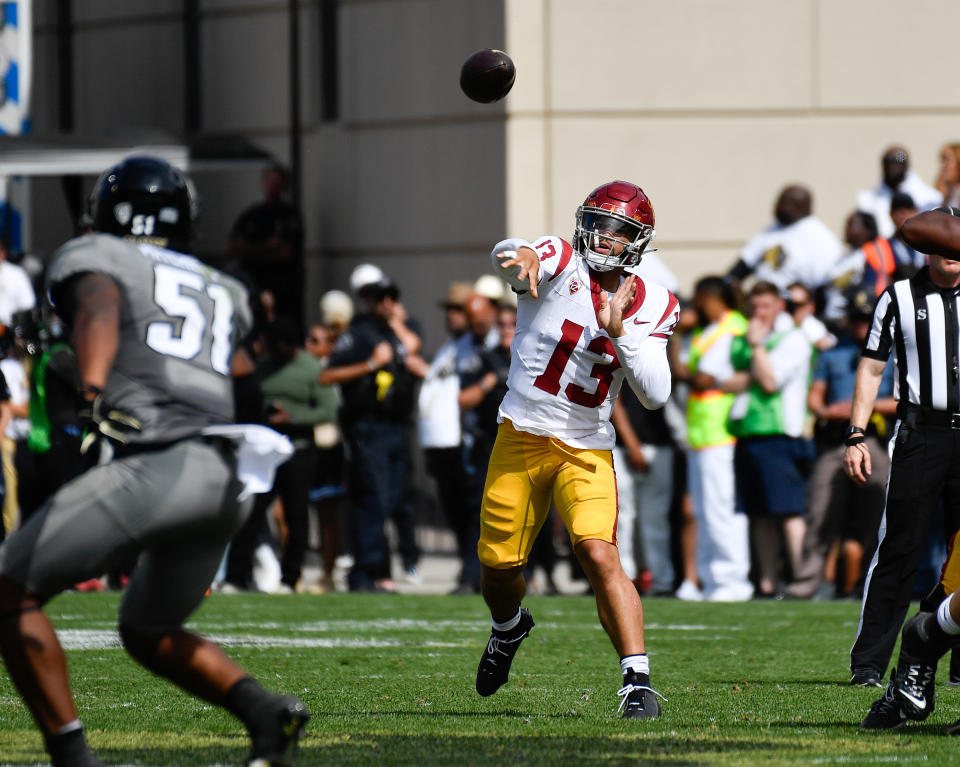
(854, 435)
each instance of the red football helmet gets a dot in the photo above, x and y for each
(618, 211)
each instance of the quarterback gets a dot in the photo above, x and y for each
(154, 332)
(584, 324)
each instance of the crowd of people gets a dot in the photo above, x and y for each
(734, 490)
(721, 472)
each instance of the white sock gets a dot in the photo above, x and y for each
(639, 664)
(945, 619)
(76, 724)
(509, 625)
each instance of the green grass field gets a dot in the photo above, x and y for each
(390, 682)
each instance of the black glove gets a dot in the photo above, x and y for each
(102, 419)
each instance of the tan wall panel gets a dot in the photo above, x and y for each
(889, 53)
(527, 182)
(525, 23)
(650, 54)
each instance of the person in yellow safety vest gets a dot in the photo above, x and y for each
(723, 551)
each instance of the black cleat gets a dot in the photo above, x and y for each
(865, 676)
(82, 759)
(885, 713)
(274, 744)
(495, 662)
(638, 700)
(954, 680)
(914, 680)
(952, 729)
(71, 750)
(914, 689)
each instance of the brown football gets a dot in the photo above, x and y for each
(487, 75)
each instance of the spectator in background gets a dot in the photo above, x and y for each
(723, 547)
(840, 510)
(908, 260)
(16, 289)
(441, 436)
(948, 179)
(797, 247)
(896, 176)
(801, 306)
(860, 228)
(678, 354)
(13, 446)
(336, 311)
(771, 459)
(377, 364)
(55, 428)
(874, 261)
(478, 379)
(327, 489)
(295, 402)
(5, 417)
(266, 241)
(643, 461)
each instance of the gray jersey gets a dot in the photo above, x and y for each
(180, 322)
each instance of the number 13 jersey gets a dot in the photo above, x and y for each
(180, 321)
(565, 371)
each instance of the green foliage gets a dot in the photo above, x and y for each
(390, 681)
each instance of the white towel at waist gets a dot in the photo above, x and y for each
(260, 450)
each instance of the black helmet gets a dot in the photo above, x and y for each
(145, 198)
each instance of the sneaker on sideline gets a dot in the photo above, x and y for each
(689, 592)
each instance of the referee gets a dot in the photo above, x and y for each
(917, 319)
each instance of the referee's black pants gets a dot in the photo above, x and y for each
(925, 468)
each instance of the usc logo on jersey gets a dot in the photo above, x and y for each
(574, 285)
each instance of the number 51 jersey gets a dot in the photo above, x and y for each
(180, 321)
(565, 371)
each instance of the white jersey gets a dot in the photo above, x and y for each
(565, 371)
(804, 251)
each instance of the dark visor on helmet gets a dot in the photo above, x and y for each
(604, 224)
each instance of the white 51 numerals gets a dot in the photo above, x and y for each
(162, 336)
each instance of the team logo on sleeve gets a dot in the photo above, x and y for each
(574, 285)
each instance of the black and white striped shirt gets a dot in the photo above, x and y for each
(919, 321)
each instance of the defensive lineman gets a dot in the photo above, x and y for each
(583, 325)
(154, 332)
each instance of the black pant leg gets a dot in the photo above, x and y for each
(918, 474)
(294, 486)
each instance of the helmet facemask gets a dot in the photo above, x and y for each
(599, 231)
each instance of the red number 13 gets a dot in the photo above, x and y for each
(549, 379)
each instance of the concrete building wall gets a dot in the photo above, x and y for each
(710, 105)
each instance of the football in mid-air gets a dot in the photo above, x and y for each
(487, 75)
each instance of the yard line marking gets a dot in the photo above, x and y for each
(94, 639)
